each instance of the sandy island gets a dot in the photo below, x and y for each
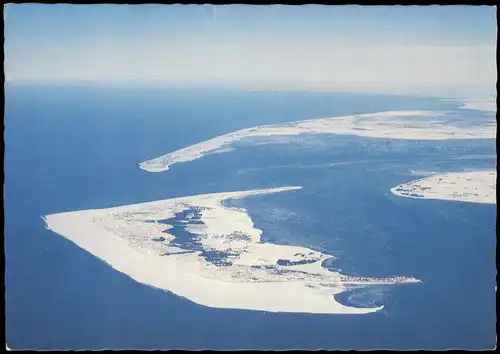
(413, 125)
(246, 274)
(487, 104)
(475, 187)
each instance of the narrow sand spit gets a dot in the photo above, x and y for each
(246, 274)
(412, 125)
(487, 104)
(475, 187)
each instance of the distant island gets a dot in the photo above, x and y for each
(475, 187)
(391, 124)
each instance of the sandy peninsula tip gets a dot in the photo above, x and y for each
(409, 124)
(474, 187)
(218, 261)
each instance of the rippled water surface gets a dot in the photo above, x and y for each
(76, 149)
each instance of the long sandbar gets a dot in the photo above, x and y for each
(412, 125)
(487, 104)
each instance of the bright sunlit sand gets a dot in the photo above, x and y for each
(475, 187)
(487, 104)
(255, 276)
(392, 125)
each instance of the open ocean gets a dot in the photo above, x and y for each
(78, 148)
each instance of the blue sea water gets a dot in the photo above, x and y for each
(78, 148)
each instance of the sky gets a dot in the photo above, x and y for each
(422, 49)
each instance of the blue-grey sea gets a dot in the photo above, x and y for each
(77, 148)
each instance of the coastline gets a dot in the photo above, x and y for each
(252, 282)
(390, 125)
(474, 187)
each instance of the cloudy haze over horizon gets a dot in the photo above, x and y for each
(396, 49)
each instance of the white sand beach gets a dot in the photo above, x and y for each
(474, 187)
(134, 240)
(412, 125)
(487, 104)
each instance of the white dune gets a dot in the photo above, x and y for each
(392, 125)
(128, 239)
(475, 187)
